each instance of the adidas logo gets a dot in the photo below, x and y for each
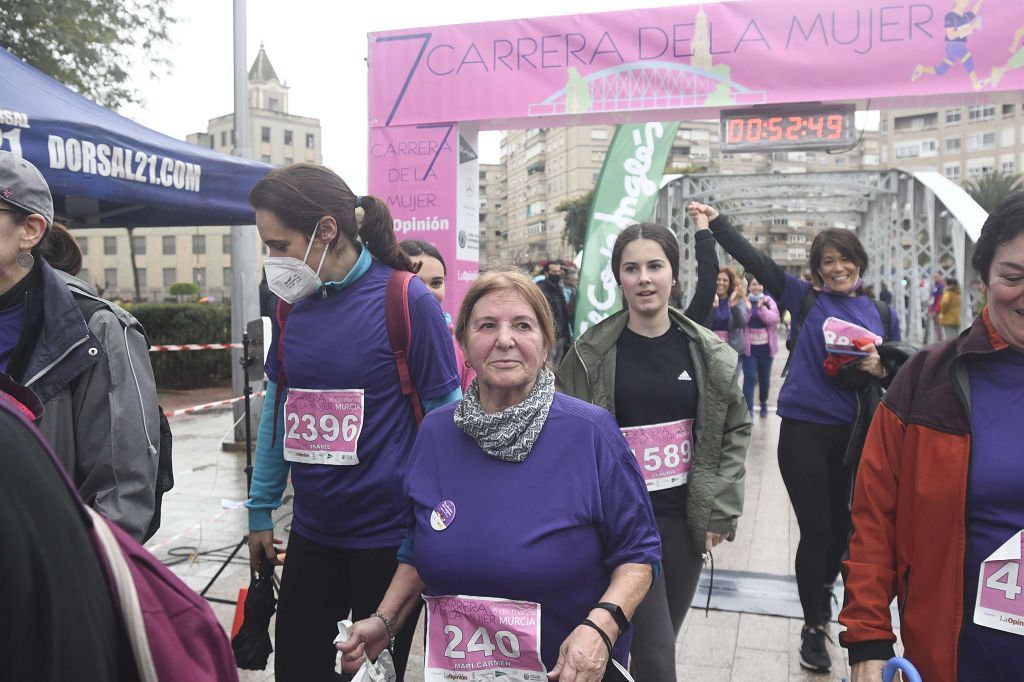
(685, 376)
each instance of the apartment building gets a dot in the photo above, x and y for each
(493, 196)
(960, 142)
(202, 254)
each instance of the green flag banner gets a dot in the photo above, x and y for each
(626, 193)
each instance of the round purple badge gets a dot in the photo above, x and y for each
(443, 515)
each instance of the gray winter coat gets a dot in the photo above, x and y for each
(99, 397)
(721, 428)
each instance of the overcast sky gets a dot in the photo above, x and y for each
(318, 47)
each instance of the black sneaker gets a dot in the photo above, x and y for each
(828, 599)
(813, 654)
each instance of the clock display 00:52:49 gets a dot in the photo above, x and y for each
(756, 129)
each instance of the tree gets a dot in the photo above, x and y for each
(990, 190)
(89, 45)
(187, 290)
(577, 215)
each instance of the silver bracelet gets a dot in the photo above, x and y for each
(387, 624)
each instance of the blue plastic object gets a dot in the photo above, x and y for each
(910, 673)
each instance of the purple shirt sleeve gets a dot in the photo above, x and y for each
(431, 355)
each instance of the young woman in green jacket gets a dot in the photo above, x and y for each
(670, 384)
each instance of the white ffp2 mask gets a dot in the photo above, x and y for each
(292, 279)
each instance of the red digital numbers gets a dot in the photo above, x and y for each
(834, 123)
(755, 126)
(735, 130)
(793, 128)
(815, 128)
(816, 124)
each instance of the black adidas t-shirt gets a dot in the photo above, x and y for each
(655, 383)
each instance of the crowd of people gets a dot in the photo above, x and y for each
(550, 498)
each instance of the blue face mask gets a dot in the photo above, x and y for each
(756, 297)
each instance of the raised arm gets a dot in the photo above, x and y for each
(764, 268)
(707, 270)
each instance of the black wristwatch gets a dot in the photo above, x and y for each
(617, 614)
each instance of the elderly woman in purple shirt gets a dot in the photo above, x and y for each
(531, 537)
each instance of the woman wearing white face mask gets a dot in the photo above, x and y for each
(338, 420)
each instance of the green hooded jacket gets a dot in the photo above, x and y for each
(721, 429)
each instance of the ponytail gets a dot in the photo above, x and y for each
(377, 232)
(60, 249)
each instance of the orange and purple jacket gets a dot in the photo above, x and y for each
(909, 511)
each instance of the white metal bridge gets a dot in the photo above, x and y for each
(912, 224)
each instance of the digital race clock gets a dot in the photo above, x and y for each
(788, 127)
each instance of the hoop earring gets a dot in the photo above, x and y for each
(467, 364)
(25, 260)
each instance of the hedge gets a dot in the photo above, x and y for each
(177, 323)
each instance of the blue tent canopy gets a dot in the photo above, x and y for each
(105, 170)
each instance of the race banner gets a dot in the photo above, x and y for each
(626, 193)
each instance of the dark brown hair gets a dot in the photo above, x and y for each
(1002, 226)
(506, 279)
(418, 247)
(60, 249)
(842, 240)
(303, 193)
(656, 233)
(734, 279)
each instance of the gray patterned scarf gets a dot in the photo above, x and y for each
(508, 435)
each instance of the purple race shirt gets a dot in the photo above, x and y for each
(340, 344)
(548, 530)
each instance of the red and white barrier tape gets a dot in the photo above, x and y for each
(210, 406)
(193, 346)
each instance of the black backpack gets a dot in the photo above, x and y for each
(165, 469)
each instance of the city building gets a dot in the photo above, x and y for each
(201, 255)
(546, 166)
(493, 196)
(960, 142)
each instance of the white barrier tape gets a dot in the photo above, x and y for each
(210, 406)
(193, 346)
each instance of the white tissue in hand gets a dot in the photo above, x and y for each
(344, 631)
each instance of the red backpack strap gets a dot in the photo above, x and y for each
(396, 312)
(281, 313)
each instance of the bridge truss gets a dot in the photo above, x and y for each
(911, 224)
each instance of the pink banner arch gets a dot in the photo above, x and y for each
(432, 89)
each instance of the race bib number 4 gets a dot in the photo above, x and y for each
(323, 427)
(664, 452)
(1000, 603)
(481, 639)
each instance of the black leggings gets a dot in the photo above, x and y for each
(811, 462)
(321, 585)
(659, 617)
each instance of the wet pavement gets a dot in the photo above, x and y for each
(203, 520)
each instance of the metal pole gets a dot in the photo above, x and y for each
(244, 275)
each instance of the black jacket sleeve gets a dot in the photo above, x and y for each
(766, 270)
(707, 272)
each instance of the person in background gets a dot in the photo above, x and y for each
(335, 418)
(268, 302)
(520, 493)
(431, 268)
(934, 331)
(939, 492)
(93, 376)
(884, 295)
(571, 284)
(819, 412)
(551, 286)
(728, 315)
(762, 345)
(949, 310)
(671, 386)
